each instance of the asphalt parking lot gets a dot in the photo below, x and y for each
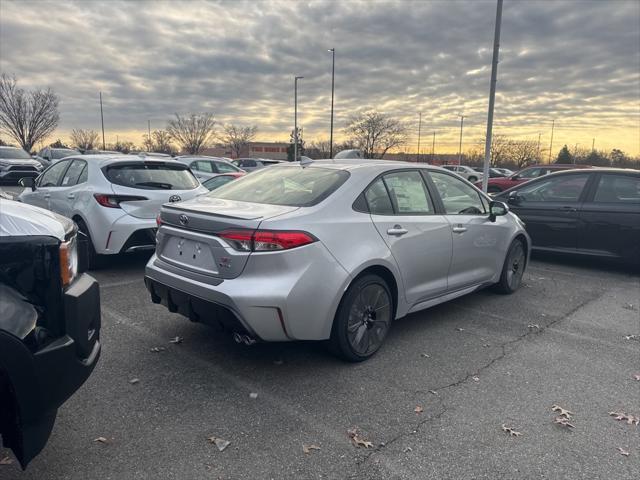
(472, 365)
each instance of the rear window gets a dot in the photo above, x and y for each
(288, 186)
(152, 176)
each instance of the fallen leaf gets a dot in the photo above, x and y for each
(157, 349)
(564, 421)
(433, 392)
(6, 460)
(510, 431)
(408, 449)
(221, 443)
(636, 376)
(533, 326)
(101, 440)
(623, 451)
(253, 395)
(562, 412)
(425, 355)
(475, 378)
(418, 409)
(632, 337)
(307, 448)
(356, 440)
(630, 419)
(176, 340)
(133, 381)
(629, 306)
(459, 329)
(486, 345)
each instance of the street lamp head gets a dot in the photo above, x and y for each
(298, 78)
(331, 50)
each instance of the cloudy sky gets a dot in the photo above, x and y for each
(575, 61)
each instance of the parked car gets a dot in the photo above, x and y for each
(587, 211)
(15, 163)
(102, 152)
(204, 167)
(495, 185)
(49, 326)
(221, 179)
(49, 155)
(465, 172)
(113, 199)
(504, 171)
(251, 164)
(333, 249)
(493, 172)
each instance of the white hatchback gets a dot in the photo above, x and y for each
(114, 199)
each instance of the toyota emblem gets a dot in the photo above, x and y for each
(175, 198)
(183, 219)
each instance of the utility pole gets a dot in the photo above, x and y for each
(104, 147)
(333, 72)
(149, 128)
(492, 96)
(539, 135)
(295, 118)
(593, 144)
(553, 122)
(433, 148)
(460, 147)
(419, 131)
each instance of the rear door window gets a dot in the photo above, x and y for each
(73, 173)
(623, 189)
(151, 176)
(290, 186)
(408, 193)
(202, 166)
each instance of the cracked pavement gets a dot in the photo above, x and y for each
(495, 370)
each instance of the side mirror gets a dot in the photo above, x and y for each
(513, 197)
(28, 182)
(497, 209)
(515, 176)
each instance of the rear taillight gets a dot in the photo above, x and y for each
(266, 240)
(113, 201)
(158, 220)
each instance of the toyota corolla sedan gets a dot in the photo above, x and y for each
(114, 199)
(332, 250)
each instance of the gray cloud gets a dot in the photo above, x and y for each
(577, 61)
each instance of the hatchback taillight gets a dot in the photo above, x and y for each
(113, 201)
(266, 240)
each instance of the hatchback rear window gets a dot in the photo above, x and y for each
(288, 186)
(152, 176)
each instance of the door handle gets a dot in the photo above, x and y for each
(568, 209)
(397, 231)
(459, 229)
(71, 195)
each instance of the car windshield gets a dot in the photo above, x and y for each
(13, 153)
(63, 152)
(152, 176)
(288, 186)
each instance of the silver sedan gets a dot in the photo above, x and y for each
(332, 250)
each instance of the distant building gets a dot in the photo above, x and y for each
(274, 150)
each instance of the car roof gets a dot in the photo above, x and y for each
(360, 164)
(103, 159)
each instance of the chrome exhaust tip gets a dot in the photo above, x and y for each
(248, 340)
(237, 337)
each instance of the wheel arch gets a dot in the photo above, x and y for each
(386, 274)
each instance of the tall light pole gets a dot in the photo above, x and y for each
(104, 147)
(492, 96)
(539, 135)
(333, 76)
(593, 144)
(460, 147)
(553, 123)
(295, 118)
(419, 131)
(433, 148)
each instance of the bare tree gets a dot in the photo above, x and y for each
(236, 137)
(523, 152)
(192, 132)
(318, 149)
(121, 146)
(84, 139)
(160, 142)
(27, 117)
(376, 133)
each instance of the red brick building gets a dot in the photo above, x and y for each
(274, 150)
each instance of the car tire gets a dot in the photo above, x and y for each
(363, 319)
(493, 189)
(473, 179)
(513, 268)
(94, 261)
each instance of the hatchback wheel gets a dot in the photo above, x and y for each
(513, 268)
(362, 320)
